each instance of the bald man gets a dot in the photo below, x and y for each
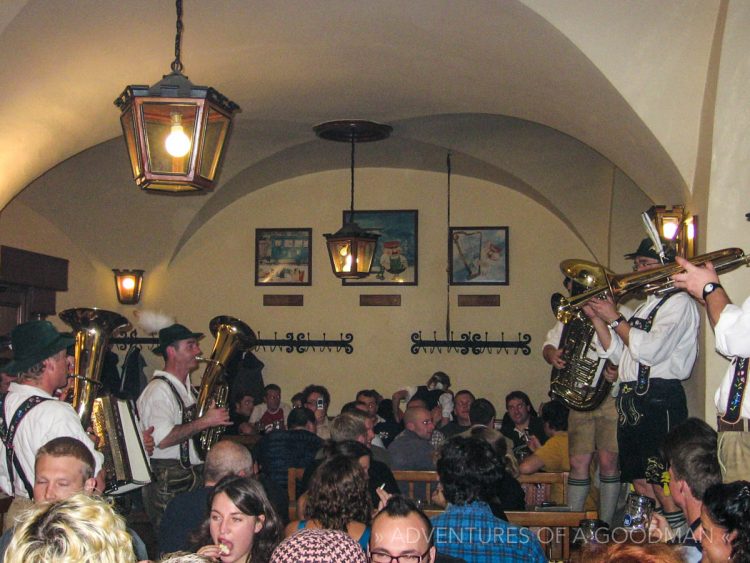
(187, 511)
(411, 450)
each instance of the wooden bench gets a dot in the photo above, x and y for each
(537, 487)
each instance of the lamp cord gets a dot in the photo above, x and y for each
(447, 260)
(353, 143)
(177, 63)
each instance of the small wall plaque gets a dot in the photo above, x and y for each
(283, 300)
(478, 300)
(380, 301)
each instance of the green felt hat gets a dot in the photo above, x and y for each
(34, 342)
(174, 333)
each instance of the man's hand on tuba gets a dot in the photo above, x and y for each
(216, 416)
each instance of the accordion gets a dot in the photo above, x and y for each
(126, 464)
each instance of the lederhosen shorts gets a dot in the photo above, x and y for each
(645, 420)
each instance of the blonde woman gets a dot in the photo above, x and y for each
(80, 529)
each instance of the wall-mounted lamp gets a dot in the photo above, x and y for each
(351, 249)
(128, 284)
(175, 131)
(676, 225)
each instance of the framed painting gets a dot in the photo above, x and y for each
(478, 255)
(396, 257)
(283, 256)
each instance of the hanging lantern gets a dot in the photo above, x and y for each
(351, 248)
(176, 132)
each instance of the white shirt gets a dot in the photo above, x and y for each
(48, 420)
(159, 408)
(670, 348)
(733, 339)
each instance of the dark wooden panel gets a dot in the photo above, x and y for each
(478, 300)
(283, 300)
(33, 269)
(42, 301)
(380, 301)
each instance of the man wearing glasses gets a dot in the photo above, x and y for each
(655, 350)
(401, 533)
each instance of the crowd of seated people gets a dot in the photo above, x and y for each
(348, 493)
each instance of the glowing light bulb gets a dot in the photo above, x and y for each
(670, 230)
(128, 283)
(177, 143)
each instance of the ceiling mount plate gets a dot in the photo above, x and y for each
(352, 130)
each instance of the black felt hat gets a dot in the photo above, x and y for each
(174, 333)
(647, 249)
(33, 342)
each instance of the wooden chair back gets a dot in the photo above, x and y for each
(293, 475)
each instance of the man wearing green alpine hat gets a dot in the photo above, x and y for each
(168, 404)
(30, 415)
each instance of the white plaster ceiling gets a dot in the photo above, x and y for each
(621, 81)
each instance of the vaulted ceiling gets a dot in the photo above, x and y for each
(493, 81)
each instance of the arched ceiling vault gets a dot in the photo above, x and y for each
(494, 82)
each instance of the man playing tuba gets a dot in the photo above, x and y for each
(655, 350)
(30, 415)
(589, 431)
(167, 403)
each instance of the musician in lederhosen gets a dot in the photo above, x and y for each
(655, 350)
(30, 414)
(168, 404)
(591, 431)
(731, 325)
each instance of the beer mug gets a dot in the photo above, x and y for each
(638, 511)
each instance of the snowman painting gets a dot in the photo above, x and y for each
(392, 260)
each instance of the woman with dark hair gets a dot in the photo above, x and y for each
(242, 525)
(378, 473)
(338, 499)
(725, 523)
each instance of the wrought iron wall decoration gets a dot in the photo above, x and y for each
(301, 343)
(293, 342)
(472, 342)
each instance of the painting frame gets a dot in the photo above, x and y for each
(399, 237)
(283, 256)
(486, 247)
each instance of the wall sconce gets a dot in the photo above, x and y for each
(176, 132)
(128, 284)
(674, 224)
(351, 249)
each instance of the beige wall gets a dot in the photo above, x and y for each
(213, 275)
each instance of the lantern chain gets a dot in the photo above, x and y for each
(177, 63)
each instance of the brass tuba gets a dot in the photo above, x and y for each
(232, 336)
(657, 280)
(573, 384)
(93, 329)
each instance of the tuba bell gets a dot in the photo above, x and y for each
(92, 329)
(654, 281)
(232, 336)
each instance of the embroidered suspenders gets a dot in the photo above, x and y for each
(187, 416)
(8, 433)
(736, 392)
(641, 387)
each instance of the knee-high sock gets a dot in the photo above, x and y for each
(609, 492)
(578, 490)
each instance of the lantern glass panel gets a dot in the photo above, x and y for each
(127, 119)
(215, 135)
(160, 120)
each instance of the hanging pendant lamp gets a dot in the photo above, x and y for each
(176, 132)
(351, 248)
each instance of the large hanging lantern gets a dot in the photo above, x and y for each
(176, 132)
(351, 248)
